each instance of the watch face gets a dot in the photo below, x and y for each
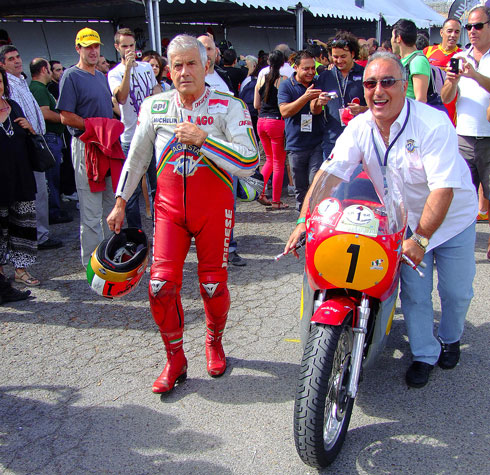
(424, 241)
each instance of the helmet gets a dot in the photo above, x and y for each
(118, 263)
(246, 190)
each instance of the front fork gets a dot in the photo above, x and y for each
(360, 331)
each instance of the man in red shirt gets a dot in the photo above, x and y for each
(439, 55)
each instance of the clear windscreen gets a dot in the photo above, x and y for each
(386, 202)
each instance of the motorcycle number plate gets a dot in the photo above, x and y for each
(359, 219)
(351, 261)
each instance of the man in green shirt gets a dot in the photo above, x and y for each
(403, 37)
(41, 76)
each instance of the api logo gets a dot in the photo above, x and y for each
(159, 107)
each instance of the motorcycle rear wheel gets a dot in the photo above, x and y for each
(322, 408)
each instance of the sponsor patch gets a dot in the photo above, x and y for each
(376, 265)
(164, 120)
(159, 107)
(217, 105)
(410, 146)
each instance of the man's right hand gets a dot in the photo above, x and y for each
(130, 58)
(293, 240)
(115, 219)
(312, 93)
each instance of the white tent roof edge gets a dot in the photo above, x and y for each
(372, 10)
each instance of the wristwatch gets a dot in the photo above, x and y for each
(422, 241)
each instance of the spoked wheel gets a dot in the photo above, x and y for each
(322, 408)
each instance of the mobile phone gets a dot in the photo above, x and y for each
(454, 65)
(332, 95)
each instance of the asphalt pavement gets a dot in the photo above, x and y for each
(76, 373)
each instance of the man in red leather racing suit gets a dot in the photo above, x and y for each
(201, 138)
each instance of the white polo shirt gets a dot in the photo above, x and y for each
(425, 157)
(473, 100)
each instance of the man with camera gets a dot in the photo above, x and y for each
(131, 82)
(441, 55)
(471, 85)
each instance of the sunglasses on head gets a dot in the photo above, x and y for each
(386, 83)
(340, 43)
(476, 26)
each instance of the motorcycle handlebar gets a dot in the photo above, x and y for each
(301, 242)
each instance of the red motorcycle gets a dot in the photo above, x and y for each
(353, 256)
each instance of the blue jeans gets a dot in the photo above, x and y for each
(133, 215)
(455, 263)
(55, 144)
(304, 166)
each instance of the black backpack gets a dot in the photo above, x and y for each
(436, 80)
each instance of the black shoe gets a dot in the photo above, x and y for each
(62, 218)
(51, 243)
(449, 356)
(417, 375)
(13, 295)
(236, 260)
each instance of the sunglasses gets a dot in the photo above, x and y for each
(386, 83)
(476, 26)
(340, 43)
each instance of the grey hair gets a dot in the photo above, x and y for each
(251, 58)
(184, 43)
(483, 8)
(387, 56)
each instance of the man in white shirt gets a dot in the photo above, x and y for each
(415, 145)
(216, 78)
(286, 69)
(472, 88)
(131, 82)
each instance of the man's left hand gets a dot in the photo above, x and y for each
(190, 134)
(413, 251)
(468, 70)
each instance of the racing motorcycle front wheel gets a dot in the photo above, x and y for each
(322, 408)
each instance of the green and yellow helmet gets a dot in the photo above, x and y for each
(118, 263)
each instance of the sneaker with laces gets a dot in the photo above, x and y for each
(450, 353)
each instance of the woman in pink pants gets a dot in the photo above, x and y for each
(270, 127)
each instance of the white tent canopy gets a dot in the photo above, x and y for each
(391, 11)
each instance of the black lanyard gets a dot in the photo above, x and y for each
(390, 146)
(344, 83)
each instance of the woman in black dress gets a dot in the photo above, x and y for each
(18, 239)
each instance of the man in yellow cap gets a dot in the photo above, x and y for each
(85, 93)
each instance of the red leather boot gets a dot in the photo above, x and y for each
(215, 355)
(176, 368)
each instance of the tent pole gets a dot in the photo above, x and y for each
(379, 26)
(156, 17)
(299, 26)
(151, 25)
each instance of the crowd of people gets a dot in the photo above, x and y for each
(113, 143)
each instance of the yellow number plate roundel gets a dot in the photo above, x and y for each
(351, 261)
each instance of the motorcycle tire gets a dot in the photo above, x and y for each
(322, 409)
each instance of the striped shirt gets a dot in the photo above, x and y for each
(20, 93)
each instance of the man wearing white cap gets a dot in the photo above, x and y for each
(85, 93)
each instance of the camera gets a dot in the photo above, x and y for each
(138, 54)
(454, 65)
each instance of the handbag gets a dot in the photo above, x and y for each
(40, 156)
